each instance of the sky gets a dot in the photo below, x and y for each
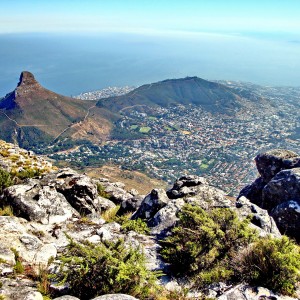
(151, 16)
(80, 45)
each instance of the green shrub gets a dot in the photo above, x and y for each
(28, 173)
(5, 180)
(110, 215)
(6, 211)
(101, 191)
(271, 262)
(137, 225)
(204, 242)
(93, 270)
(18, 267)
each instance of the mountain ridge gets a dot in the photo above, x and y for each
(34, 112)
(212, 96)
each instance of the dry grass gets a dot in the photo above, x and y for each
(132, 179)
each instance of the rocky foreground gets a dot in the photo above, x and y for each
(62, 205)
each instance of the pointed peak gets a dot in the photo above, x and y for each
(27, 78)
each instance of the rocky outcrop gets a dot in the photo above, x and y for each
(259, 217)
(278, 189)
(64, 205)
(161, 213)
(284, 186)
(271, 162)
(152, 203)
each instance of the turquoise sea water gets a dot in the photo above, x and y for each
(70, 64)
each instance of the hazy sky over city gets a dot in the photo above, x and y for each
(148, 16)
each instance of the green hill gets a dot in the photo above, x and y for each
(213, 97)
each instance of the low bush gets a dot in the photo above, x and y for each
(93, 270)
(6, 211)
(204, 242)
(271, 262)
(137, 225)
(6, 179)
(110, 215)
(101, 191)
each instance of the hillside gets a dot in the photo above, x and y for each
(211, 96)
(32, 114)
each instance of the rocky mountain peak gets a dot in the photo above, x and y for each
(27, 79)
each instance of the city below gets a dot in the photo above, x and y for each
(170, 142)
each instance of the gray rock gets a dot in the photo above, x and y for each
(271, 162)
(117, 194)
(283, 187)
(130, 205)
(67, 297)
(152, 203)
(184, 186)
(260, 217)
(165, 219)
(115, 297)
(287, 217)
(245, 292)
(253, 191)
(104, 204)
(20, 289)
(79, 190)
(109, 232)
(36, 203)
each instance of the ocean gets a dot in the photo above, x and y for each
(73, 63)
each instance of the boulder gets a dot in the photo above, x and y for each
(39, 203)
(186, 186)
(130, 205)
(278, 189)
(263, 222)
(253, 191)
(271, 162)
(79, 190)
(115, 297)
(152, 203)
(283, 187)
(165, 219)
(287, 218)
(116, 193)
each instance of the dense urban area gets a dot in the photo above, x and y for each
(179, 140)
(104, 93)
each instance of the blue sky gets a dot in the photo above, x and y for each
(150, 16)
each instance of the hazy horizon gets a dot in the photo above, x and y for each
(76, 46)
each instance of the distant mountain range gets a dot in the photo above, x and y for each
(32, 115)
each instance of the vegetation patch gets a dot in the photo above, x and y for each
(101, 191)
(145, 129)
(134, 127)
(6, 179)
(93, 270)
(137, 225)
(110, 215)
(271, 262)
(203, 244)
